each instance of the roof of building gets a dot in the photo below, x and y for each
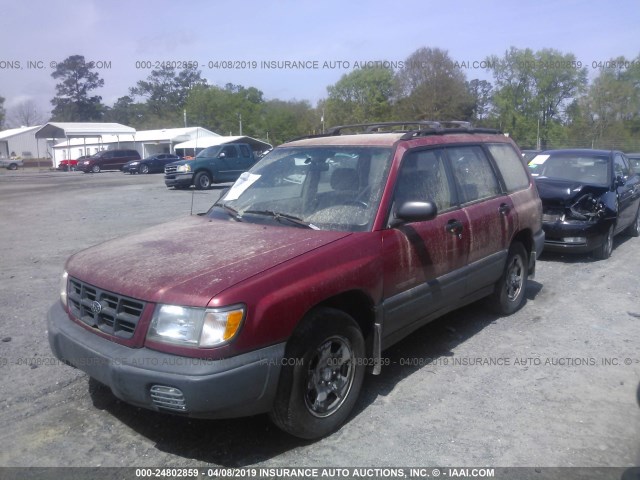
(162, 135)
(219, 140)
(16, 131)
(82, 129)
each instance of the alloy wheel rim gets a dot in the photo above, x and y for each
(330, 375)
(514, 279)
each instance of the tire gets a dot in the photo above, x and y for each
(13, 166)
(144, 169)
(633, 230)
(604, 251)
(318, 391)
(95, 169)
(509, 292)
(202, 181)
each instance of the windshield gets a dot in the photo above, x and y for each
(326, 188)
(208, 152)
(579, 168)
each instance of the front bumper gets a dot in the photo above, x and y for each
(594, 235)
(234, 387)
(178, 179)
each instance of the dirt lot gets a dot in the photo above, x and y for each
(553, 385)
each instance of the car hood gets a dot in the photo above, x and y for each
(563, 192)
(189, 261)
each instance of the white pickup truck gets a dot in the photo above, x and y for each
(10, 163)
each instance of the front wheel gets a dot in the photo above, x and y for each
(604, 250)
(202, 181)
(322, 375)
(144, 168)
(95, 169)
(508, 295)
(633, 230)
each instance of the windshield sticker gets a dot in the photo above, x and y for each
(244, 181)
(539, 160)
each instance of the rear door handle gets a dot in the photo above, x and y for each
(504, 209)
(454, 227)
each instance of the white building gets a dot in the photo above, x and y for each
(23, 143)
(146, 142)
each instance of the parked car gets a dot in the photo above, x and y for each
(588, 197)
(11, 163)
(66, 165)
(216, 164)
(280, 297)
(152, 164)
(107, 160)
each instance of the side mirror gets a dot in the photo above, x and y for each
(620, 181)
(415, 212)
(222, 155)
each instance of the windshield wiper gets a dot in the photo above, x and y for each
(232, 212)
(283, 216)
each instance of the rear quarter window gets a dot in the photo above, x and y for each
(510, 165)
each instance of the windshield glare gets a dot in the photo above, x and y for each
(328, 188)
(583, 169)
(208, 152)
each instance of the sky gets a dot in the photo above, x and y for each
(235, 41)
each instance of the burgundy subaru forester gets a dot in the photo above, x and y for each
(329, 250)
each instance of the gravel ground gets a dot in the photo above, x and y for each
(554, 385)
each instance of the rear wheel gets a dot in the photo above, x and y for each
(202, 181)
(322, 375)
(508, 295)
(604, 250)
(13, 166)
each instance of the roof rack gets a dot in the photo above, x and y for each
(411, 129)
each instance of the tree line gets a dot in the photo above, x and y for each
(543, 99)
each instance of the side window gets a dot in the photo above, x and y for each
(230, 151)
(620, 167)
(510, 165)
(244, 151)
(474, 176)
(423, 177)
(108, 155)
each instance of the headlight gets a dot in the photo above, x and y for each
(134, 163)
(63, 288)
(184, 168)
(86, 162)
(195, 327)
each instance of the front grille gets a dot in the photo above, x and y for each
(170, 169)
(109, 312)
(168, 398)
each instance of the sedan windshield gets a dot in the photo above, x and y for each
(574, 167)
(326, 188)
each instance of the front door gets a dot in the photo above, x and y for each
(424, 261)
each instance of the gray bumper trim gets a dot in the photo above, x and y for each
(238, 386)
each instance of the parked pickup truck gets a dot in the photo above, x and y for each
(10, 163)
(216, 164)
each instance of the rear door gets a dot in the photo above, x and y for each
(490, 213)
(246, 157)
(424, 261)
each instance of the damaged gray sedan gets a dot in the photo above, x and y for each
(588, 197)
